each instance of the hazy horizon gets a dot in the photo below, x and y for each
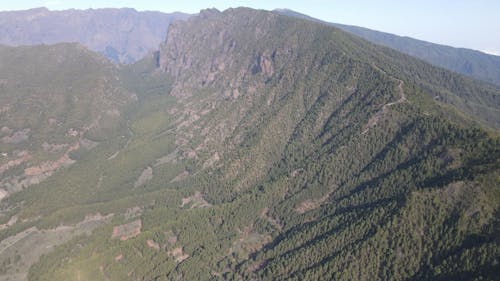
(461, 24)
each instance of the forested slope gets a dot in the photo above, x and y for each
(472, 63)
(265, 147)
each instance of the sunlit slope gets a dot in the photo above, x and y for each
(271, 148)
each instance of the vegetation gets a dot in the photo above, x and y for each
(122, 35)
(475, 64)
(276, 149)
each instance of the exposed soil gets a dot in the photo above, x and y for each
(26, 247)
(265, 215)
(249, 242)
(153, 245)
(127, 231)
(146, 175)
(181, 176)
(170, 158)
(178, 254)
(311, 204)
(17, 137)
(376, 117)
(16, 162)
(196, 201)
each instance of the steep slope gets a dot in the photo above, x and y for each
(273, 148)
(472, 63)
(57, 104)
(474, 98)
(123, 35)
(465, 61)
(56, 100)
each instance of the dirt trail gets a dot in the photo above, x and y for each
(273, 221)
(401, 93)
(374, 119)
(129, 140)
(101, 269)
(9, 242)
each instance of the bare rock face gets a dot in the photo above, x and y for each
(146, 175)
(263, 64)
(206, 55)
(226, 63)
(127, 231)
(48, 120)
(123, 35)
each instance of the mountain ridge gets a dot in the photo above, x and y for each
(488, 103)
(468, 62)
(271, 148)
(473, 63)
(123, 35)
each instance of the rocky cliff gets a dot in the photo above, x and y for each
(123, 35)
(285, 150)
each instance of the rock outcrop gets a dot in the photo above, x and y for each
(123, 35)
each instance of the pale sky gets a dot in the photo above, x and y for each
(473, 24)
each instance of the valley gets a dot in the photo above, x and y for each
(251, 146)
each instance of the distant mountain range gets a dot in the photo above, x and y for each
(123, 35)
(250, 146)
(126, 35)
(469, 62)
(465, 61)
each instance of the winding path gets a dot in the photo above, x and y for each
(374, 119)
(129, 140)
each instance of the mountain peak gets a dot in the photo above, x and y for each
(268, 148)
(332, 122)
(235, 35)
(206, 13)
(124, 35)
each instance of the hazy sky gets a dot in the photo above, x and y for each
(471, 24)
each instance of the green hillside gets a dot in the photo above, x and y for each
(468, 62)
(56, 101)
(472, 63)
(264, 147)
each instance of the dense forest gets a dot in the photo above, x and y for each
(256, 146)
(475, 64)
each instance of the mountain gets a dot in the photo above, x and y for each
(465, 61)
(56, 101)
(126, 35)
(123, 35)
(266, 147)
